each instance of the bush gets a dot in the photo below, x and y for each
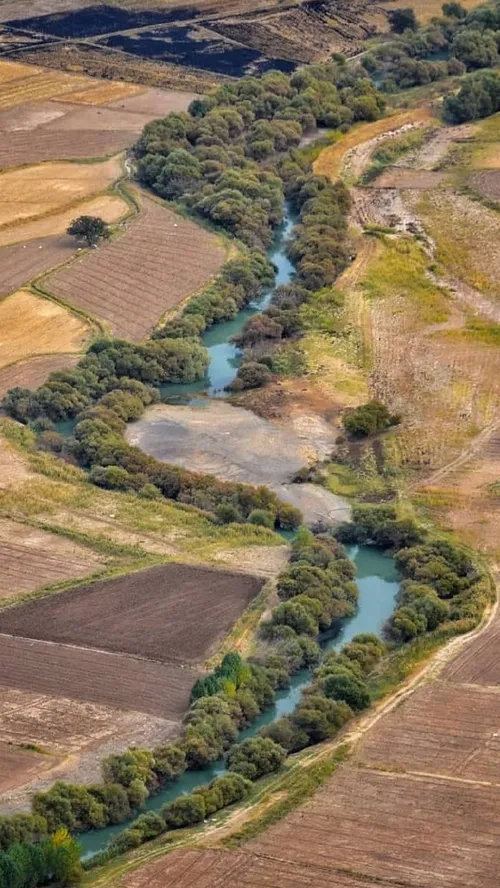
(250, 375)
(255, 757)
(369, 419)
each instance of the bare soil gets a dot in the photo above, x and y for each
(486, 183)
(129, 683)
(21, 262)
(155, 102)
(150, 613)
(33, 372)
(18, 766)
(133, 280)
(13, 469)
(19, 148)
(31, 559)
(418, 180)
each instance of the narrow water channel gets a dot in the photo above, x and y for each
(378, 584)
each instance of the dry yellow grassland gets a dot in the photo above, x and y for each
(31, 325)
(427, 9)
(16, 71)
(99, 93)
(35, 191)
(108, 207)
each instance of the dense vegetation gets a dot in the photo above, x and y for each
(463, 41)
(232, 159)
(368, 419)
(26, 865)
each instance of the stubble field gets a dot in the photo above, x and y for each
(30, 325)
(133, 280)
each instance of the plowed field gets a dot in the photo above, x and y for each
(21, 262)
(152, 613)
(33, 372)
(95, 676)
(30, 325)
(133, 280)
(31, 559)
(479, 662)
(21, 148)
(442, 729)
(394, 828)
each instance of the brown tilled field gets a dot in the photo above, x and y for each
(31, 558)
(479, 662)
(443, 729)
(151, 613)
(33, 372)
(21, 262)
(132, 281)
(21, 148)
(130, 683)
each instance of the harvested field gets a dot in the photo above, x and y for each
(17, 766)
(31, 559)
(479, 662)
(89, 118)
(31, 325)
(15, 70)
(151, 613)
(159, 261)
(36, 85)
(443, 729)
(13, 468)
(20, 263)
(21, 148)
(96, 93)
(31, 115)
(33, 372)
(195, 868)
(392, 828)
(93, 676)
(427, 9)
(155, 102)
(40, 190)
(109, 207)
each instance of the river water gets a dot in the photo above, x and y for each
(378, 584)
(377, 578)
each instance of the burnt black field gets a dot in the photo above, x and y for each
(93, 20)
(176, 46)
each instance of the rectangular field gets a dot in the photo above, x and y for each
(17, 766)
(171, 612)
(133, 280)
(21, 148)
(31, 325)
(443, 729)
(128, 683)
(394, 829)
(21, 262)
(31, 558)
(195, 868)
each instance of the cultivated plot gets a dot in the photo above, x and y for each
(133, 280)
(31, 325)
(151, 613)
(21, 262)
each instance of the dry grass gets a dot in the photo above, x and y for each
(330, 161)
(97, 93)
(111, 208)
(36, 191)
(36, 85)
(30, 325)
(427, 9)
(16, 71)
(464, 231)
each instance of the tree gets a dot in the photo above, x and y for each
(454, 10)
(255, 757)
(89, 228)
(401, 19)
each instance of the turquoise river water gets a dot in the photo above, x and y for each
(378, 584)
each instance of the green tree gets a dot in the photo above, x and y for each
(403, 19)
(89, 228)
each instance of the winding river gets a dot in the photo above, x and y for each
(378, 585)
(188, 406)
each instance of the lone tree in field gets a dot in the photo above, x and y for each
(90, 228)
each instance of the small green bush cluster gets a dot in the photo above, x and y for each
(368, 419)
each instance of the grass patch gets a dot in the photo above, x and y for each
(481, 332)
(400, 271)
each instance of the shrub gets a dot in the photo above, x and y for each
(369, 419)
(255, 757)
